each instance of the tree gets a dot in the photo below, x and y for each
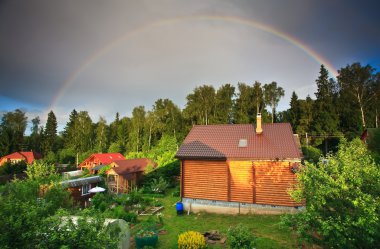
(272, 95)
(12, 128)
(101, 140)
(137, 131)
(342, 199)
(244, 108)
(35, 136)
(50, 134)
(325, 119)
(224, 104)
(294, 111)
(69, 134)
(200, 105)
(114, 128)
(306, 115)
(84, 129)
(357, 81)
(258, 97)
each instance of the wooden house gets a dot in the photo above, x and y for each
(16, 157)
(126, 174)
(79, 188)
(225, 168)
(100, 159)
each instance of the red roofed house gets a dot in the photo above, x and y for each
(100, 159)
(27, 156)
(235, 168)
(125, 174)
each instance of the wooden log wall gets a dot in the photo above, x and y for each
(205, 180)
(261, 182)
(273, 179)
(241, 181)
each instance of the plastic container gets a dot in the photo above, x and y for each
(179, 208)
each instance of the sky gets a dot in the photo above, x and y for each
(111, 56)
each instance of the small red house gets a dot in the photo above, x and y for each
(125, 174)
(237, 168)
(100, 159)
(27, 156)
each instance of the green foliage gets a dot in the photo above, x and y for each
(41, 171)
(24, 209)
(272, 95)
(12, 168)
(191, 240)
(102, 171)
(169, 173)
(50, 134)
(115, 148)
(159, 185)
(12, 128)
(67, 155)
(311, 153)
(342, 200)
(86, 231)
(239, 237)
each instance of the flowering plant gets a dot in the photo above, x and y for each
(145, 233)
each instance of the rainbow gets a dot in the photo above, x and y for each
(230, 19)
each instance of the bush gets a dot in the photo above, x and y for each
(12, 168)
(159, 185)
(239, 237)
(120, 213)
(176, 192)
(311, 153)
(191, 240)
(342, 200)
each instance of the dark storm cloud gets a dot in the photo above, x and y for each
(44, 42)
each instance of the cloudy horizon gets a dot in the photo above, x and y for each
(111, 56)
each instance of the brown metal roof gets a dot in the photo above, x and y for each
(222, 142)
(122, 167)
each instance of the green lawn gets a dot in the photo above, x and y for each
(265, 227)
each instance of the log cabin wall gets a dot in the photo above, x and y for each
(272, 183)
(259, 182)
(241, 181)
(205, 180)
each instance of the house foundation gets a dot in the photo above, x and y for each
(223, 207)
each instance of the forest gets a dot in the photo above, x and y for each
(341, 107)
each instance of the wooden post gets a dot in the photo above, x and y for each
(254, 183)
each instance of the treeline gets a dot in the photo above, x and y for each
(342, 107)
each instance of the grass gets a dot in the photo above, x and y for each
(265, 227)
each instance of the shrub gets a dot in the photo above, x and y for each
(159, 185)
(311, 153)
(191, 240)
(12, 168)
(120, 213)
(239, 237)
(342, 200)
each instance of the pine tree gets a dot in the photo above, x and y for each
(50, 134)
(325, 118)
(294, 111)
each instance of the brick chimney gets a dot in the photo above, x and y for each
(259, 130)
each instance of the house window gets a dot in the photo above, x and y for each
(85, 189)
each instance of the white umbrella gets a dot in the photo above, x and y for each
(97, 190)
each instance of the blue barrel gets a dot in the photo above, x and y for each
(179, 208)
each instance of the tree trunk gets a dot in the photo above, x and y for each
(361, 110)
(377, 119)
(273, 112)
